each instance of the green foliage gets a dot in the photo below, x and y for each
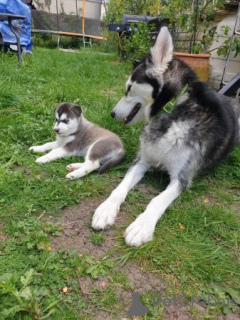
(51, 41)
(18, 296)
(138, 44)
(97, 238)
(116, 9)
(8, 97)
(33, 233)
(135, 46)
(224, 48)
(221, 293)
(98, 268)
(54, 278)
(198, 25)
(195, 20)
(192, 24)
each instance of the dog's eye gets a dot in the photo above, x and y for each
(128, 89)
(65, 121)
(56, 120)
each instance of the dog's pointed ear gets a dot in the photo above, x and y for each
(77, 110)
(162, 51)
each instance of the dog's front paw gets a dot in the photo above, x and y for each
(105, 215)
(36, 149)
(140, 231)
(43, 159)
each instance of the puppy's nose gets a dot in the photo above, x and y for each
(56, 130)
(113, 114)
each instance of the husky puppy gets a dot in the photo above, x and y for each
(101, 148)
(189, 128)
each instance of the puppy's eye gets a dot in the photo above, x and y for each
(65, 121)
(56, 120)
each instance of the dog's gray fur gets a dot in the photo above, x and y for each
(197, 134)
(101, 148)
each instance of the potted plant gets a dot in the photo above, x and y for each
(193, 28)
(192, 23)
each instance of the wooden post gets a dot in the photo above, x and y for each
(83, 17)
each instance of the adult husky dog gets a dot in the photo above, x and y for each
(193, 132)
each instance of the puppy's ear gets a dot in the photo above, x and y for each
(77, 110)
(162, 51)
(57, 106)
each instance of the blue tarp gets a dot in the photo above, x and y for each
(23, 26)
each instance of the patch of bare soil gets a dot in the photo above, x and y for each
(181, 313)
(77, 232)
(208, 200)
(147, 190)
(3, 236)
(143, 282)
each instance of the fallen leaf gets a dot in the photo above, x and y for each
(104, 285)
(180, 226)
(206, 200)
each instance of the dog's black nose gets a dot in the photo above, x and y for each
(113, 114)
(56, 130)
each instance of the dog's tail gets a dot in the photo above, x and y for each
(117, 158)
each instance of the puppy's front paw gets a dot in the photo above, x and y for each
(72, 175)
(105, 214)
(140, 231)
(43, 159)
(36, 149)
(73, 166)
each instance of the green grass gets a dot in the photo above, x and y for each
(196, 244)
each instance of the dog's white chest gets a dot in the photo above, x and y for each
(62, 141)
(168, 149)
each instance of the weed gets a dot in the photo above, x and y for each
(97, 238)
(19, 296)
(219, 297)
(33, 233)
(98, 268)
